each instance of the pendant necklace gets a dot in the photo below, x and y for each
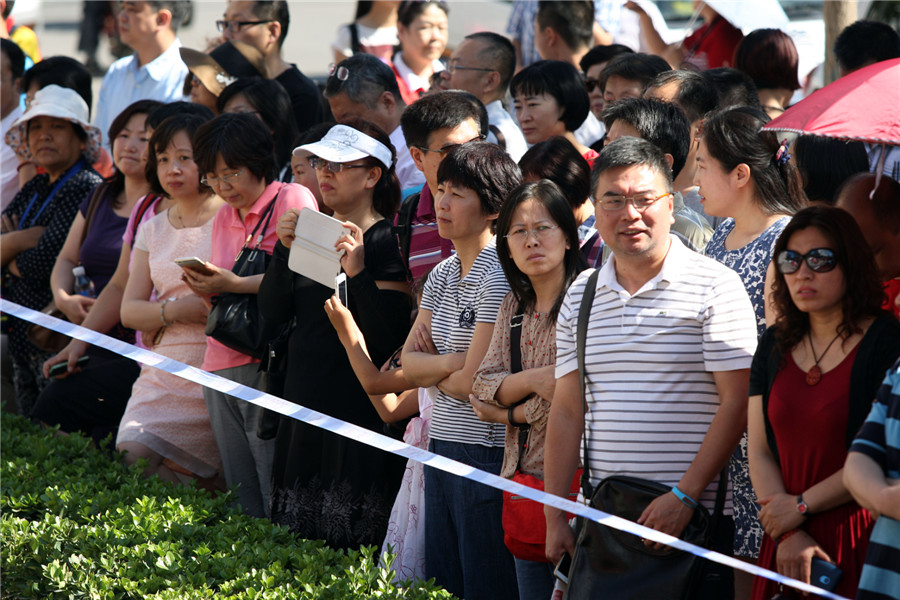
(814, 375)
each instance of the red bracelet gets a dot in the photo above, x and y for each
(787, 535)
(27, 162)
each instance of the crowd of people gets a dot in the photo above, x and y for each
(746, 282)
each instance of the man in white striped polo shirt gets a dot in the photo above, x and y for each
(668, 350)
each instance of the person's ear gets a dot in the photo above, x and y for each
(491, 83)
(373, 176)
(670, 160)
(164, 18)
(741, 175)
(389, 103)
(274, 30)
(418, 157)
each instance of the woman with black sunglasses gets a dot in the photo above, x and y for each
(812, 382)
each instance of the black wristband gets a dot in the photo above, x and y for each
(512, 420)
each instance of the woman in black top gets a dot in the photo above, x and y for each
(324, 485)
(53, 134)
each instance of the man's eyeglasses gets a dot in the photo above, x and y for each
(214, 181)
(452, 68)
(449, 148)
(236, 26)
(521, 235)
(590, 84)
(335, 167)
(820, 260)
(640, 203)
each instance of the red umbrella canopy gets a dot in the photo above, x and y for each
(864, 106)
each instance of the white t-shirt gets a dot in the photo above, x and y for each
(378, 42)
(457, 305)
(649, 362)
(9, 176)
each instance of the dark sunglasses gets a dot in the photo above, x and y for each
(590, 84)
(820, 260)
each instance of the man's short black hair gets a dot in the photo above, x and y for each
(442, 110)
(572, 20)
(602, 54)
(734, 88)
(630, 152)
(635, 66)
(696, 95)
(274, 10)
(63, 71)
(363, 78)
(498, 54)
(15, 56)
(484, 168)
(864, 43)
(661, 123)
(242, 140)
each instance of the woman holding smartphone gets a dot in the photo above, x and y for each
(537, 243)
(324, 485)
(812, 382)
(234, 151)
(166, 421)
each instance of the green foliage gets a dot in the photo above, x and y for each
(75, 524)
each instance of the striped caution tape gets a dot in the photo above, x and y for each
(376, 440)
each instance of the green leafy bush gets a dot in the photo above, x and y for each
(75, 524)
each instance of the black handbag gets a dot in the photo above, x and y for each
(235, 320)
(616, 565)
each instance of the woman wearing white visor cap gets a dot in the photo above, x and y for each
(324, 485)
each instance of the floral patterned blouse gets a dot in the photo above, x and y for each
(538, 350)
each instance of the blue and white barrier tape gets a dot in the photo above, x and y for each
(376, 440)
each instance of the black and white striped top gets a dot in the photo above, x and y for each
(650, 360)
(456, 306)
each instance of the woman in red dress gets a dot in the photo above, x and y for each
(811, 385)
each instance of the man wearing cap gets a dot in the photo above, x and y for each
(225, 64)
(54, 133)
(155, 70)
(363, 86)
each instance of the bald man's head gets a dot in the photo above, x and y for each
(878, 217)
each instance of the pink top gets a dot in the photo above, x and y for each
(229, 233)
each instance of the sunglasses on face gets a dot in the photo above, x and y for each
(590, 84)
(335, 167)
(819, 260)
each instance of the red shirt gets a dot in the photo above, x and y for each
(713, 45)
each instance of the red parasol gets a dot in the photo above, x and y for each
(863, 106)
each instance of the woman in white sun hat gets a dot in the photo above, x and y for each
(324, 485)
(54, 133)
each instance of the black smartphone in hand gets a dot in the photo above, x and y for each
(824, 574)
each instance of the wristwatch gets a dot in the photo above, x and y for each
(802, 506)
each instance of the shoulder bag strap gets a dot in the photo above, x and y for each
(584, 315)
(515, 366)
(501, 139)
(355, 46)
(149, 199)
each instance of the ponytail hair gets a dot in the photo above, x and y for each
(733, 136)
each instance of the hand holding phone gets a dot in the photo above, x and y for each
(340, 289)
(194, 264)
(561, 570)
(824, 574)
(63, 367)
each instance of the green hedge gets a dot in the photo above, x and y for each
(75, 524)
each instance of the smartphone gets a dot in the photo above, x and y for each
(561, 571)
(61, 368)
(824, 574)
(340, 288)
(194, 264)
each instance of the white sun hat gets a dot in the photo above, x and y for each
(62, 103)
(343, 144)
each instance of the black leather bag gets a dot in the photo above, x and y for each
(235, 319)
(615, 565)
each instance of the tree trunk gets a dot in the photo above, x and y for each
(837, 14)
